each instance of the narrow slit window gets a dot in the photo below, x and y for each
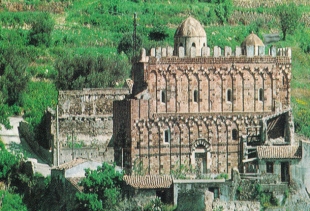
(195, 96)
(261, 94)
(235, 134)
(163, 96)
(167, 136)
(228, 95)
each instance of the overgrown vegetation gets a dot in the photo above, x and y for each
(79, 44)
(50, 45)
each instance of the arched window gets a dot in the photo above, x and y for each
(163, 96)
(234, 134)
(261, 94)
(193, 44)
(228, 95)
(204, 45)
(195, 96)
(167, 136)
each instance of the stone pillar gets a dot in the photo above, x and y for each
(261, 50)
(238, 51)
(217, 51)
(143, 55)
(181, 52)
(227, 51)
(164, 52)
(169, 51)
(209, 197)
(273, 51)
(158, 52)
(250, 51)
(153, 52)
(192, 52)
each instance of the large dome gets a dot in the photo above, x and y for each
(252, 40)
(190, 28)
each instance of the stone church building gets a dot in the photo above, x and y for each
(209, 109)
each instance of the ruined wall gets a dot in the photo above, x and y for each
(85, 119)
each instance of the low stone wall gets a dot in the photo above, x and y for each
(28, 136)
(236, 205)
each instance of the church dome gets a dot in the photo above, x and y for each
(190, 28)
(252, 40)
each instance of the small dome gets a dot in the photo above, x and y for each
(190, 28)
(252, 40)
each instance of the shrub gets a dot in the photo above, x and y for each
(42, 28)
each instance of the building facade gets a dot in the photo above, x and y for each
(207, 109)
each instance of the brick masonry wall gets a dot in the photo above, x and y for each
(232, 93)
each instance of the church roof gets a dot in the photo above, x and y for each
(252, 40)
(190, 27)
(148, 181)
(279, 152)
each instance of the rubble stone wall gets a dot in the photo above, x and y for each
(85, 119)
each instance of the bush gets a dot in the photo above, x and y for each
(41, 31)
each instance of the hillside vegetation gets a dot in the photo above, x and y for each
(47, 45)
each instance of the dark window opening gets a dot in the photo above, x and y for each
(181, 44)
(261, 95)
(229, 95)
(269, 167)
(235, 134)
(216, 192)
(195, 96)
(167, 136)
(163, 96)
(285, 176)
(193, 44)
(204, 44)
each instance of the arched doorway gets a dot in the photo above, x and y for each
(201, 156)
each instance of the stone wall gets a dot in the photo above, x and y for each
(236, 205)
(28, 136)
(85, 121)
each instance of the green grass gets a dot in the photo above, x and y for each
(95, 27)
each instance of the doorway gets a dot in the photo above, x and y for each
(201, 162)
(285, 172)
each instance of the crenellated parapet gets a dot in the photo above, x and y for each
(217, 55)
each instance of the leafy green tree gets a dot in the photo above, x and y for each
(11, 202)
(126, 45)
(14, 78)
(158, 33)
(223, 9)
(4, 113)
(88, 71)
(41, 31)
(289, 18)
(102, 189)
(36, 98)
(8, 164)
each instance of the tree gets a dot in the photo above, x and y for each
(126, 45)
(158, 33)
(289, 18)
(11, 202)
(8, 163)
(41, 31)
(102, 189)
(14, 78)
(87, 71)
(223, 9)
